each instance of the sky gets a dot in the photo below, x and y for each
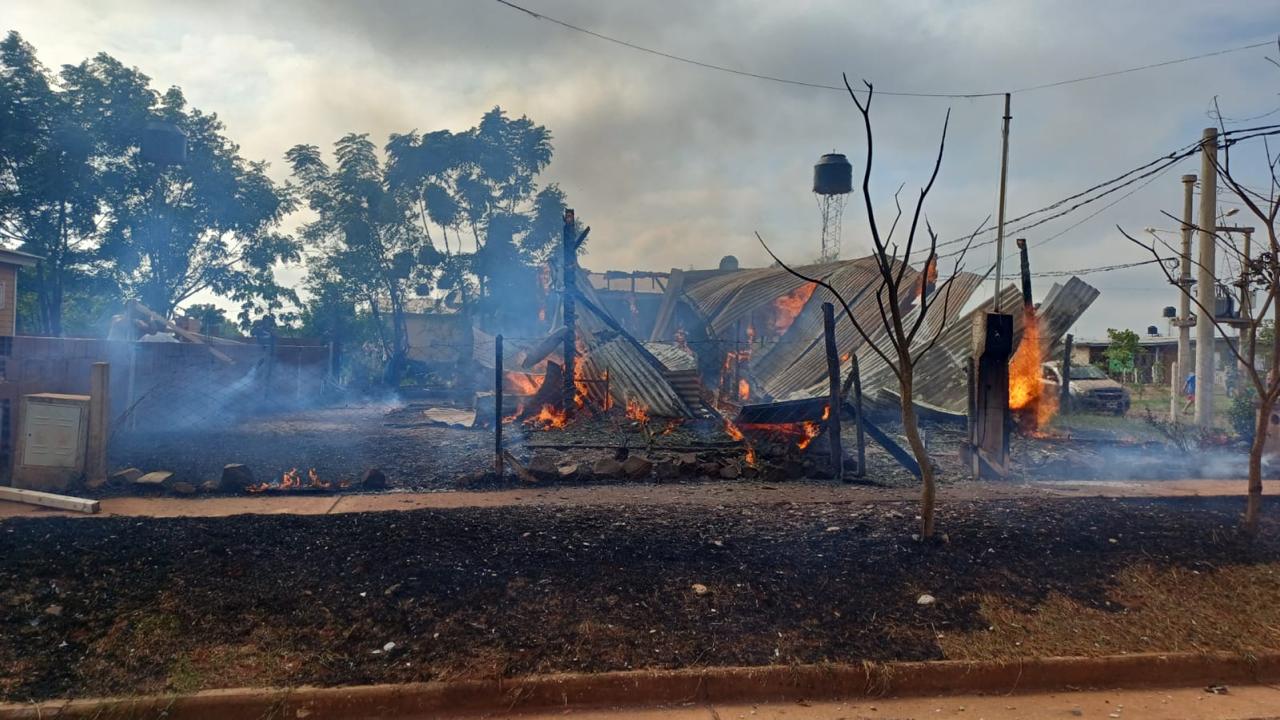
(674, 165)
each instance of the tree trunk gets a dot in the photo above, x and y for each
(1253, 505)
(910, 427)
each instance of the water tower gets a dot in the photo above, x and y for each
(832, 182)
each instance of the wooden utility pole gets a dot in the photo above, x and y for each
(1184, 298)
(569, 251)
(497, 406)
(1004, 178)
(834, 403)
(1205, 345)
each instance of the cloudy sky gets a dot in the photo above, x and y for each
(674, 165)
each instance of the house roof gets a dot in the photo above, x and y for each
(19, 258)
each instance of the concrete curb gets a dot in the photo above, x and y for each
(666, 687)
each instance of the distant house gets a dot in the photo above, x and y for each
(10, 262)
(1156, 355)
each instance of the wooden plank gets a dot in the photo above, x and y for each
(44, 499)
(882, 438)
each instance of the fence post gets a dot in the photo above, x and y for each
(99, 414)
(497, 405)
(834, 400)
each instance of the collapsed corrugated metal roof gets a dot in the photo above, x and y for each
(940, 380)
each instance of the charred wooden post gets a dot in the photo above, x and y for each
(1026, 272)
(497, 406)
(833, 387)
(1064, 399)
(856, 373)
(989, 435)
(569, 268)
(544, 347)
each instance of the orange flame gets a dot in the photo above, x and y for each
(736, 434)
(808, 431)
(635, 411)
(789, 306)
(744, 390)
(549, 418)
(929, 277)
(524, 383)
(826, 412)
(733, 430)
(1025, 376)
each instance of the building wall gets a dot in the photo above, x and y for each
(8, 300)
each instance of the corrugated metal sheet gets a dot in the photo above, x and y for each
(672, 356)
(940, 380)
(876, 373)
(633, 377)
(797, 359)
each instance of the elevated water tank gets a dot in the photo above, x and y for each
(728, 262)
(1170, 311)
(832, 175)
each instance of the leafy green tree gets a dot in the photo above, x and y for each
(369, 248)
(50, 186)
(209, 223)
(483, 180)
(1122, 351)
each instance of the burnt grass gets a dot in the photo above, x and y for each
(112, 606)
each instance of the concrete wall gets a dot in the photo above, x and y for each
(173, 384)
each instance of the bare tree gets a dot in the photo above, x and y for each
(1262, 272)
(903, 337)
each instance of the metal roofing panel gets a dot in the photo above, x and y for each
(632, 376)
(672, 356)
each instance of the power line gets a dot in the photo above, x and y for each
(841, 88)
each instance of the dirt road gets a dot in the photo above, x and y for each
(1254, 702)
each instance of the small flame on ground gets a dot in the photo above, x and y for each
(548, 418)
(292, 480)
(636, 411)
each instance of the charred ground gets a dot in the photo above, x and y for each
(115, 605)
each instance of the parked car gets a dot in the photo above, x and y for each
(1091, 389)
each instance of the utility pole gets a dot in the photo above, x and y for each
(1184, 299)
(1205, 345)
(569, 251)
(1004, 179)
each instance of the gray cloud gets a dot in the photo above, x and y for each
(674, 165)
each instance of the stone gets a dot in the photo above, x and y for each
(124, 477)
(210, 486)
(567, 471)
(750, 471)
(666, 470)
(709, 469)
(686, 460)
(95, 483)
(153, 480)
(373, 479)
(699, 589)
(236, 478)
(926, 599)
(183, 488)
(53, 610)
(730, 471)
(607, 468)
(636, 467)
(543, 465)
